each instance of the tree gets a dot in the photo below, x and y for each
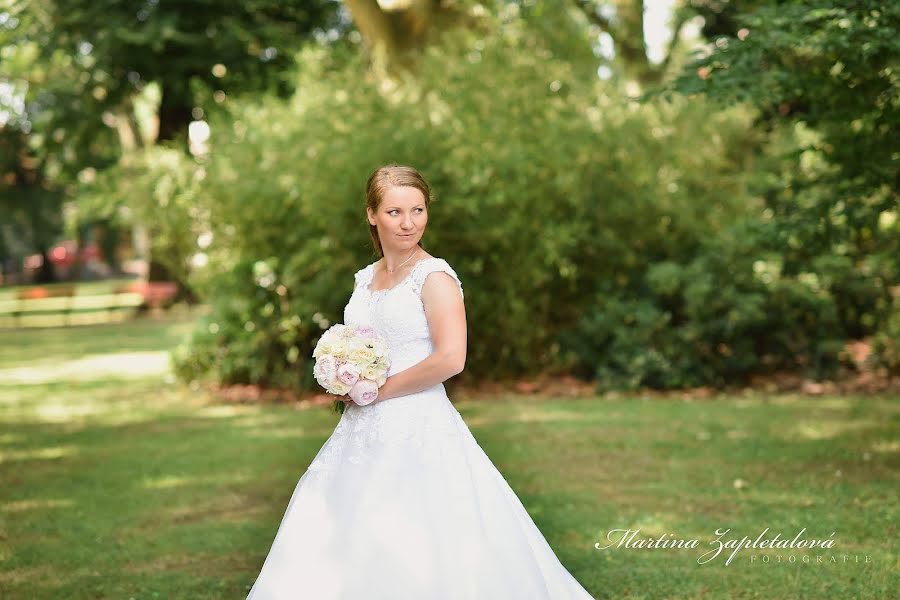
(72, 71)
(830, 65)
(396, 31)
(31, 217)
(190, 49)
(826, 74)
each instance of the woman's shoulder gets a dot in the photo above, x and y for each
(430, 265)
(364, 275)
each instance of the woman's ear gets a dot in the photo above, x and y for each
(370, 215)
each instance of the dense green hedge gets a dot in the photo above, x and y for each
(714, 319)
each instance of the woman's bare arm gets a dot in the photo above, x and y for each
(446, 314)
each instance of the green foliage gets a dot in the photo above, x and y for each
(284, 184)
(78, 64)
(159, 188)
(850, 239)
(51, 99)
(254, 337)
(832, 65)
(886, 342)
(32, 220)
(717, 318)
(72, 71)
(823, 77)
(646, 239)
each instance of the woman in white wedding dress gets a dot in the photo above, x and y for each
(401, 503)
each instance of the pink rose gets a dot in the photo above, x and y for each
(347, 373)
(324, 369)
(364, 392)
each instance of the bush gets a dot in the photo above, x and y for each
(285, 183)
(726, 314)
(255, 337)
(161, 189)
(886, 343)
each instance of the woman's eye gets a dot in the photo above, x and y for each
(391, 212)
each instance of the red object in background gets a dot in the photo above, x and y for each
(33, 293)
(91, 252)
(64, 254)
(54, 291)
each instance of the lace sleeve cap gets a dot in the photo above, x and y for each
(361, 277)
(432, 266)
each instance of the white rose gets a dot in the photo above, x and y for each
(339, 388)
(362, 356)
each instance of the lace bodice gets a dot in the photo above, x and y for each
(397, 313)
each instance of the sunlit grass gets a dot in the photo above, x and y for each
(120, 365)
(47, 347)
(118, 482)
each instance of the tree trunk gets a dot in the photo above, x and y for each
(174, 115)
(393, 34)
(627, 31)
(47, 272)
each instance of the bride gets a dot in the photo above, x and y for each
(401, 503)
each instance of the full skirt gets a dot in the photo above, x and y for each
(402, 503)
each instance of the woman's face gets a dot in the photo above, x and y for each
(400, 218)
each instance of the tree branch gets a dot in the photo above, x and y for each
(590, 11)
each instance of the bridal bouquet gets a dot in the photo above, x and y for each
(352, 360)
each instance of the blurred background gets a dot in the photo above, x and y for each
(700, 198)
(675, 223)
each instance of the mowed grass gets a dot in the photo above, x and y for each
(118, 482)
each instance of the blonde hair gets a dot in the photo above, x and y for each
(383, 179)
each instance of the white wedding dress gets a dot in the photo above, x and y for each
(401, 503)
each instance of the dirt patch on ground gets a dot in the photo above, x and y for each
(860, 382)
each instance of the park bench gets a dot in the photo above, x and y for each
(62, 305)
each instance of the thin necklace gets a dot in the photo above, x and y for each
(389, 270)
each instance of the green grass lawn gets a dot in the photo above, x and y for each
(117, 482)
